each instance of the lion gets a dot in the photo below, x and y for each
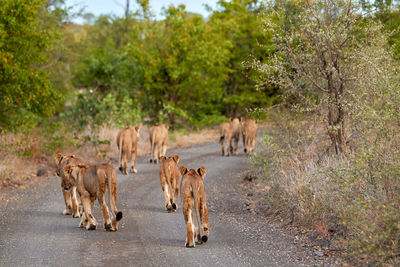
(169, 178)
(69, 192)
(92, 182)
(230, 130)
(127, 140)
(249, 130)
(193, 194)
(158, 141)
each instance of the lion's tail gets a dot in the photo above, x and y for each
(112, 195)
(120, 151)
(222, 136)
(152, 141)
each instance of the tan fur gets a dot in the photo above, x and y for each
(69, 192)
(158, 141)
(92, 182)
(127, 140)
(249, 129)
(193, 195)
(169, 178)
(230, 131)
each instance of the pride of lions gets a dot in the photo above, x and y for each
(90, 182)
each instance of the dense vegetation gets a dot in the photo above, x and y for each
(325, 73)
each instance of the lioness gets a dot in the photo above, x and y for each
(92, 182)
(158, 141)
(249, 129)
(193, 194)
(69, 192)
(230, 130)
(169, 178)
(127, 140)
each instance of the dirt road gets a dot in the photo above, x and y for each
(33, 231)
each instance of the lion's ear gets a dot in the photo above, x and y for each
(58, 157)
(166, 126)
(176, 158)
(201, 171)
(162, 158)
(137, 127)
(183, 170)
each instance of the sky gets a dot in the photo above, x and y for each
(117, 7)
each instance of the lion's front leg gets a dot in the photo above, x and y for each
(75, 204)
(67, 200)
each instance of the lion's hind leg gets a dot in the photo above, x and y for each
(190, 231)
(176, 192)
(83, 221)
(253, 145)
(104, 208)
(236, 140)
(112, 195)
(125, 164)
(88, 219)
(198, 235)
(133, 160)
(167, 197)
(229, 146)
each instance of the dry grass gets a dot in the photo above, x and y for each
(20, 158)
(349, 201)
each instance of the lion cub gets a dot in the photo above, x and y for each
(92, 182)
(193, 195)
(69, 193)
(169, 178)
(249, 129)
(158, 141)
(230, 131)
(127, 140)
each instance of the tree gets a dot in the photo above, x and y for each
(182, 61)
(321, 56)
(387, 12)
(239, 22)
(25, 89)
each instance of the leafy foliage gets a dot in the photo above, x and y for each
(26, 91)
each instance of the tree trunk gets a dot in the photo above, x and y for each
(171, 120)
(336, 122)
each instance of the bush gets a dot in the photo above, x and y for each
(90, 110)
(354, 195)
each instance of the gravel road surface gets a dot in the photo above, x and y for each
(34, 232)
